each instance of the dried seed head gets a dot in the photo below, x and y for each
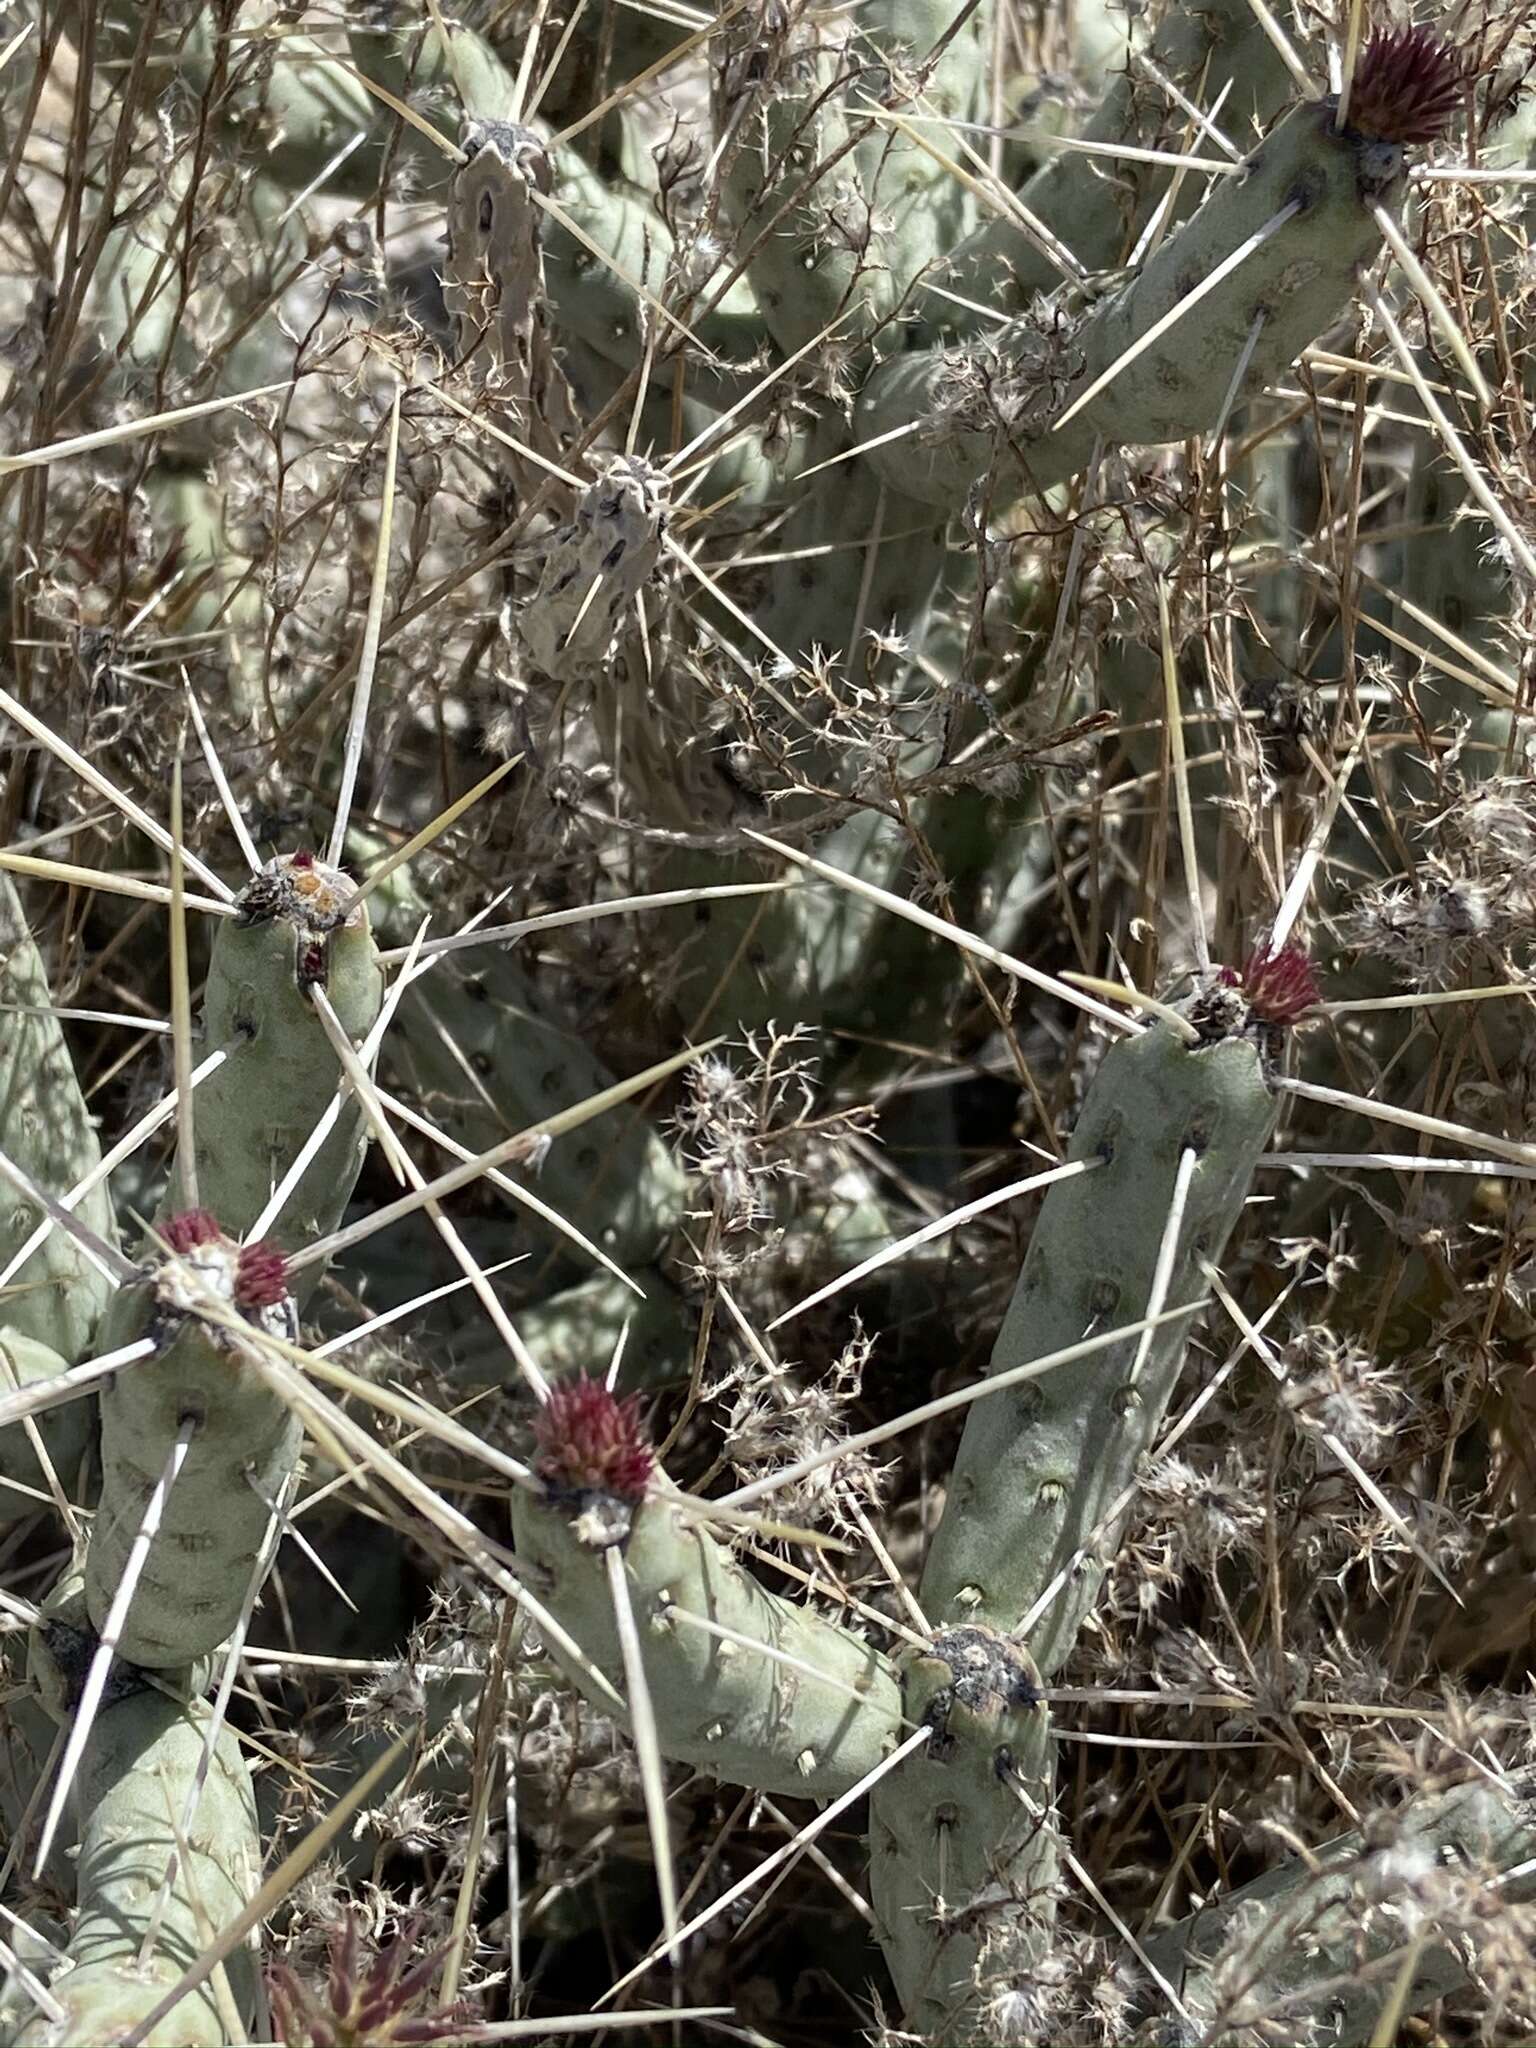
(1279, 988)
(304, 890)
(1013, 382)
(1440, 922)
(590, 1442)
(1408, 88)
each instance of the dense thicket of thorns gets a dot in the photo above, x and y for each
(759, 703)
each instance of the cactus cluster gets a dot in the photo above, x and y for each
(766, 908)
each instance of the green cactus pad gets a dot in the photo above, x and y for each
(1042, 1463)
(139, 1766)
(952, 1818)
(57, 1297)
(748, 1719)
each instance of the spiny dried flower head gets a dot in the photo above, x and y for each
(364, 2004)
(253, 1277)
(588, 1441)
(1408, 88)
(1279, 988)
(1440, 922)
(1341, 1390)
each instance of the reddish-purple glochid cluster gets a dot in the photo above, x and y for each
(189, 1228)
(1280, 988)
(261, 1276)
(261, 1270)
(588, 1441)
(364, 2006)
(1408, 88)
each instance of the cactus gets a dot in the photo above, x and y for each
(293, 935)
(238, 1438)
(1173, 1131)
(1177, 1130)
(1473, 1825)
(1039, 564)
(62, 1434)
(1220, 51)
(53, 1295)
(169, 1851)
(1272, 259)
(956, 1818)
(578, 1330)
(242, 1452)
(252, 1120)
(56, 1294)
(813, 1715)
(484, 1055)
